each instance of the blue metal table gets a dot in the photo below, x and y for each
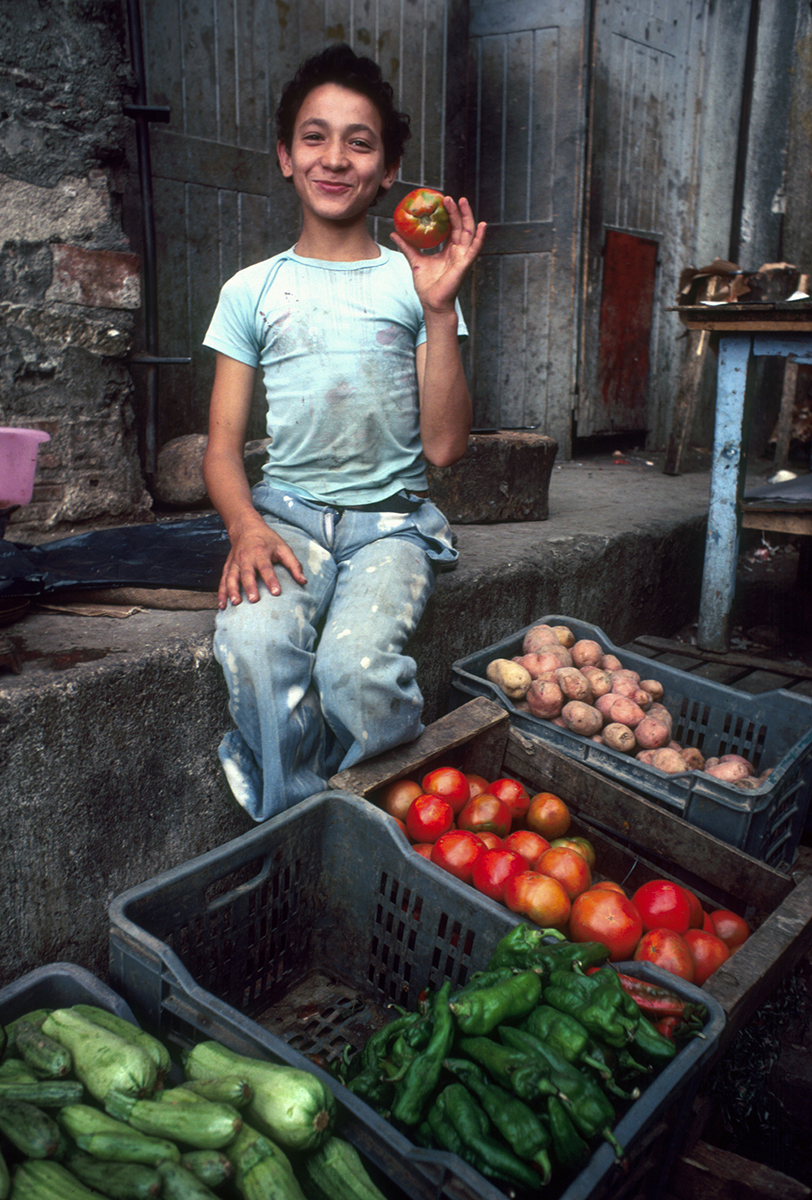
(745, 331)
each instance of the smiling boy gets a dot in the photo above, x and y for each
(336, 550)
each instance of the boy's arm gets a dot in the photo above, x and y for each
(445, 403)
(254, 547)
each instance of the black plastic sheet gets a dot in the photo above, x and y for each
(182, 554)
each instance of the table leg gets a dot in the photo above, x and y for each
(729, 454)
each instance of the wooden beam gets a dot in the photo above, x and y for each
(708, 1173)
(685, 403)
(733, 658)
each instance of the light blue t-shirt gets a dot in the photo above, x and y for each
(336, 345)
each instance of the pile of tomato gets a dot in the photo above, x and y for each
(514, 848)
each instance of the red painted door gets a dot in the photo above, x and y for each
(627, 301)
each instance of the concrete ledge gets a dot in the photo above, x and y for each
(108, 737)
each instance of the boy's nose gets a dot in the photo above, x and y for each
(333, 154)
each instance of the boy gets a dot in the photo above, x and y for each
(335, 551)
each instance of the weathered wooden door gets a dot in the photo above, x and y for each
(643, 79)
(525, 157)
(220, 202)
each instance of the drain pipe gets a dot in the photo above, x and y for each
(142, 113)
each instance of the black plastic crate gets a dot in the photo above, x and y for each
(773, 729)
(59, 985)
(294, 939)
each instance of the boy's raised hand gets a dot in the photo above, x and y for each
(438, 276)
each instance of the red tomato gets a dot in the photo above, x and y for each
(490, 840)
(450, 784)
(707, 923)
(605, 915)
(396, 797)
(663, 905)
(421, 218)
(668, 950)
(514, 794)
(424, 848)
(493, 869)
(485, 813)
(697, 911)
(477, 784)
(428, 818)
(708, 952)
(457, 852)
(607, 885)
(548, 815)
(401, 825)
(730, 927)
(567, 866)
(530, 845)
(540, 898)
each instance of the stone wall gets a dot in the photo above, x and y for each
(69, 284)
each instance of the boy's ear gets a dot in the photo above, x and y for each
(283, 154)
(390, 175)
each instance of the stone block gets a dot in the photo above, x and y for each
(504, 476)
(95, 278)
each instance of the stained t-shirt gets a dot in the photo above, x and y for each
(335, 342)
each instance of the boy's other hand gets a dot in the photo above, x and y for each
(253, 554)
(438, 276)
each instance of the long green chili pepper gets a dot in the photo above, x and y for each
(588, 1108)
(445, 1136)
(518, 1124)
(423, 1072)
(519, 947)
(483, 979)
(480, 1011)
(652, 1046)
(473, 1126)
(596, 1002)
(569, 1148)
(526, 1078)
(573, 1042)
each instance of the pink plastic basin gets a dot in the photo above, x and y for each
(18, 464)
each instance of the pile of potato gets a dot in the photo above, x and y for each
(575, 685)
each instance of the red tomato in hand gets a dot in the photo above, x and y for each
(493, 869)
(708, 952)
(450, 784)
(428, 818)
(457, 852)
(485, 813)
(605, 915)
(663, 905)
(730, 927)
(421, 218)
(514, 794)
(668, 950)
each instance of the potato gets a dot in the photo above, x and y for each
(545, 699)
(668, 760)
(622, 709)
(654, 689)
(729, 772)
(738, 758)
(659, 710)
(694, 757)
(645, 756)
(510, 677)
(652, 733)
(611, 662)
(711, 762)
(573, 684)
(586, 653)
(582, 718)
(626, 673)
(537, 662)
(538, 636)
(565, 636)
(599, 680)
(624, 685)
(619, 737)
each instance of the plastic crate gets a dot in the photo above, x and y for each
(294, 939)
(59, 985)
(771, 730)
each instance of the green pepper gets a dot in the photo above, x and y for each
(588, 1108)
(572, 1041)
(423, 1072)
(445, 1136)
(483, 979)
(473, 1126)
(526, 1078)
(595, 1002)
(521, 946)
(480, 1011)
(653, 1047)
(518, 1124)
(569, 1148)
(368, 1086)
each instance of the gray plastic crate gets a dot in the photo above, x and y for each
(294, 939)
(771, 730)
(59, 985)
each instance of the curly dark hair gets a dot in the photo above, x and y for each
(340, 64)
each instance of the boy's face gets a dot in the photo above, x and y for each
(336, 157)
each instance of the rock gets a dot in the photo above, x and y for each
(503, 476)
(179, 472)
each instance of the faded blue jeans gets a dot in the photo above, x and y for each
(317, 677)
